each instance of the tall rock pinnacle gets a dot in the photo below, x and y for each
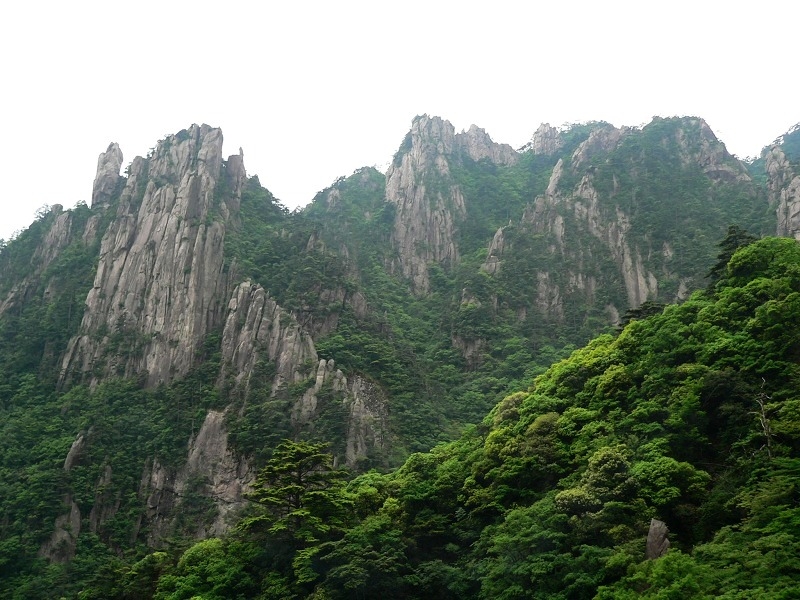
(159, 287)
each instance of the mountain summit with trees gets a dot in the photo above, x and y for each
(485, 373)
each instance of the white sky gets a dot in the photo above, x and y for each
(314, 90)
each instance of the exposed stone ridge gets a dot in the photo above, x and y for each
(429, 204)
(63, 541)
(58, 237)
(226, 476)
(108, 175)
(546, 140)
(256, 328)
(159, 287)
(603, 139)
(783, 188)
(368, 421)
(610, 227)
(477, 144)
(495, 251)
(702, 147)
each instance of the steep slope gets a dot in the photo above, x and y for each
(657, 461)
(781, 161)
(628, 216)
(192, 322)
(429, 202)
(159, 288)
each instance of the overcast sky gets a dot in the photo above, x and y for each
(314, 90)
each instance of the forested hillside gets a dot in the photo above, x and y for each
(307, 392)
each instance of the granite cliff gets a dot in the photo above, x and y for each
(382, 318)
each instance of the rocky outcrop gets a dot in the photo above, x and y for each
(429, 204)
(224, 477)
(657, 540)
(783, 188)
(108, 176)
(56, 239)
(257, 329)
(546, 140)
(590, 217)
(477, 144)
(159, 287)
(492, 263)
(609, 225)
(210, 470)
(368, 419)
(698, 145)
(61, 546)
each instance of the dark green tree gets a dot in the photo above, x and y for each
(303, 504)
(735, 239)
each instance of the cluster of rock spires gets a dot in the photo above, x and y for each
(160, 288)
(161, 285)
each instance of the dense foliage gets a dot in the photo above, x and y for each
(689, 416)
(684, 412)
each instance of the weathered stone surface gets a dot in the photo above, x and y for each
(226, 478)
(108, 175)
(492, 263)
(428, 203)
(63, 541)
(61, 546)
(611, 227)
(368, 422)
(477, 144)
(546, 140)
(783, 188)
(106, 502)
(256, 328)
(657, 541)
(159, 287)
(709, 153)
(60, 235)
(430, 206)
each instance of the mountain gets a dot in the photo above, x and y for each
(158, 345)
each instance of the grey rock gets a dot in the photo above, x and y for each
(159, 286)
(657, 541)
(783, 188)
(477, 144)
(546, 140)
(107, 177)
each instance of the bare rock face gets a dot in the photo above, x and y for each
(429, 205)
(59, 236)
(225, 476)
(211, 469)
(783, 185)
(256, 328)
(601, 217)
(657, 541)
(546, 140)
(492, 263)
(603, 139)
(708, 152)
(477, 144)
(105, 182)
(63, 541)
(159, 287)
(368, 422)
